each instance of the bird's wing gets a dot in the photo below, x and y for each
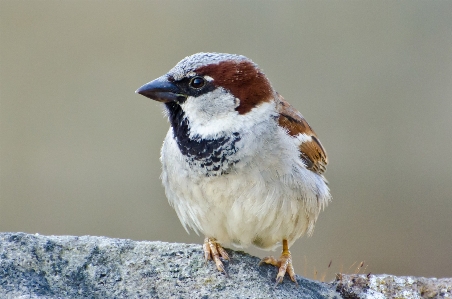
(311, 150)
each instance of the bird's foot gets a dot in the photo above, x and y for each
(284, 264)
(213, 250)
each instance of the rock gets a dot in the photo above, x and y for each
(390, 286)
(35, 266)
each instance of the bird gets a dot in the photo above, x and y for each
(240, 165)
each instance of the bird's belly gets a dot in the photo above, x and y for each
(242, 209)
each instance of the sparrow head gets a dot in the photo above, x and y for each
(211, 87)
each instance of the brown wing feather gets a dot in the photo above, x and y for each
(312, 152)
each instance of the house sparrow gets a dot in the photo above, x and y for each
(240, 165)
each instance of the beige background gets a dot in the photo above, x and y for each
(79, 151)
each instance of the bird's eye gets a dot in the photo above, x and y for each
(197, 82)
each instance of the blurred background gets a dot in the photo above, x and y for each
(79, 150)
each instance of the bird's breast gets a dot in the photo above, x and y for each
(263, 198)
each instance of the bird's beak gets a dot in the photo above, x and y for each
(162, 90)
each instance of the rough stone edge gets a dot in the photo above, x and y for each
(348, 286)
(390, 286)
(245, 262)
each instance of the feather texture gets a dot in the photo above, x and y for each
(311, 150)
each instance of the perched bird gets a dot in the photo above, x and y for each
(240, 165)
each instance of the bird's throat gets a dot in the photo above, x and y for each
(215, 156)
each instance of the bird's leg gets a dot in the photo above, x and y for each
(284, 264)
(213, 250)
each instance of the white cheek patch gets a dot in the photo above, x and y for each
(210, 113)
(207, 107)
(214, 115)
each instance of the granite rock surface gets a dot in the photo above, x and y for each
(37, 266)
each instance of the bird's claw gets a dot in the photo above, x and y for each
(213, 250)
(284, 264)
